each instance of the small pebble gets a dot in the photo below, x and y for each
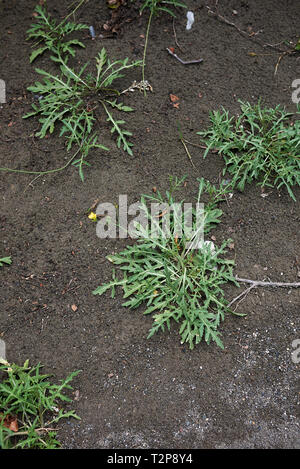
(92, 32)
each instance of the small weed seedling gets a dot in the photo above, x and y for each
(74, 102)
(51, 36)
(260, 144)
(155, 7)
(30, 407)
(5, 260)
(173, 280)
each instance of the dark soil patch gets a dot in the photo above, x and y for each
(133, 392)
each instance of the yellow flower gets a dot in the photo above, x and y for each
(93, 216)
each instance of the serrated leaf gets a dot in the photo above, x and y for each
(36, 53)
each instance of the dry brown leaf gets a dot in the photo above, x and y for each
(174, 98)
(13, 426)
(10, 422)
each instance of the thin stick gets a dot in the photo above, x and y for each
(224, 20)
(183, 62)
(251, 35)
(175, 37)
(185, 147)
(72, 13)
(213, 150)
(258, 283)
(241, 295)
(278, 62)
(38, 430)
(40, 173)
(145, 48)
(187, 152)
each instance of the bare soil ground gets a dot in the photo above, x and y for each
(156, 393)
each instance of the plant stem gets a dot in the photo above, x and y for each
(183, 143)
(187, 152)
(40, 173)
(145, 48)
(72, 13)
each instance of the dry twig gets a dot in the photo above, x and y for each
(259, 283)
(175, 37)
(197, 61)
(225, 20)
(283, 52)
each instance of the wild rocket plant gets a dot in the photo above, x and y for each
(49, 35)
(30, 406)
(260, 144)
(176, 279)
(74, 102)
